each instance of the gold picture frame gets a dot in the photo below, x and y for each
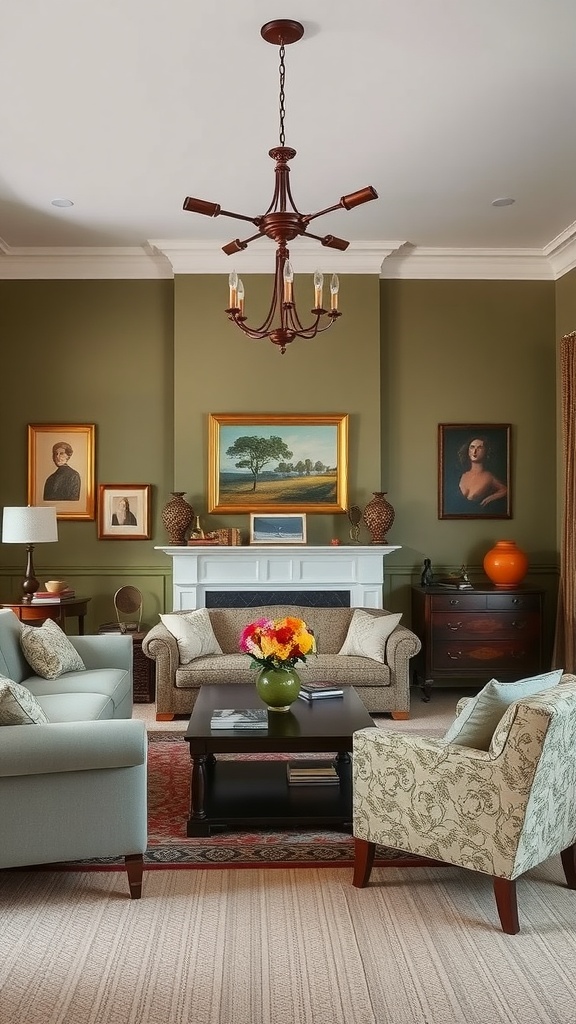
(124, 512)
(277, 463)
(70, 486)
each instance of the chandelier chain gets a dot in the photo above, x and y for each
(282, 73)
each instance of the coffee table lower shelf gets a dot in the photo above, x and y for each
(256, 794)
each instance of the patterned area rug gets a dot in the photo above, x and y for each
(169, 846)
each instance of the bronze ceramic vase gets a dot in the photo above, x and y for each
(379, 516)
(177, 515)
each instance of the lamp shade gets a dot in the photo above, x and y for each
(29, 525)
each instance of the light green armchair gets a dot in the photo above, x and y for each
(500, 811)
(72, 791)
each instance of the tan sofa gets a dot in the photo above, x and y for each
(382, 687)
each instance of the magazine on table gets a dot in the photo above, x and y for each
(241, 718)
(315, 691)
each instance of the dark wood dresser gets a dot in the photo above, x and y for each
(474, 635)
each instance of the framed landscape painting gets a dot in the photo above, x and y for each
(474, 471)
(271, 463)
(61, 468)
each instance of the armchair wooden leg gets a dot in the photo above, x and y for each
(135, 869)
(363, 861)
(569, 864)
(507, 904)
(400, 716)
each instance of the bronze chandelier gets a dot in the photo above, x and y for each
(282, 323)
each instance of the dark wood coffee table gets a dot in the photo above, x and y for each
(255, 793)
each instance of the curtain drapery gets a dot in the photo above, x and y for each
(565, 639)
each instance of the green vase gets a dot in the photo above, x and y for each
(278, 687)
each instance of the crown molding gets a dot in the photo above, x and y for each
(561, 251)
(81, 263)
(208, 258)
(391, 260)
(418, 262)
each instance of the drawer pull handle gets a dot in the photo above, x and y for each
(454, 626)
(519, 624)
(454, 657)
(454, 601)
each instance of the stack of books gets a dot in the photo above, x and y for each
(245, 718)
(317, 691)
(312, 773)
(44, 597)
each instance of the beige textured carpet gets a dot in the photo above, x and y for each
(284, 947)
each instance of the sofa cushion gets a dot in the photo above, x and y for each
(367, 635)
(108, 682)
(475, 725)
(76, 707)
(193, 633)
(48, 650)
(18, 706)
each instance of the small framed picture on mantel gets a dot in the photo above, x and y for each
(280, 529)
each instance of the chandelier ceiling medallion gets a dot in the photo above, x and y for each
(282, 225)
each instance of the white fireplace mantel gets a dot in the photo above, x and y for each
(199, 570)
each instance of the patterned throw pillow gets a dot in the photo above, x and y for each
(193, 633)
(367, 635)
(18, 706)
(48, 650)
(477, 721)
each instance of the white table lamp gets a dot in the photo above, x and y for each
(29, 525)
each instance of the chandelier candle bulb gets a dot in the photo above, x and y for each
(241, 295)
(233, 283)
(334, 287)
(318, 285)
(288, 281)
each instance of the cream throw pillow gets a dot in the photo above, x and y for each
(367, 635)
(18, 706)
(193, 633)
(476, 723)
(48, 650)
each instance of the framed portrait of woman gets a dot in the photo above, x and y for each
(474, 471)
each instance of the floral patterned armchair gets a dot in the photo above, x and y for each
(500, 811)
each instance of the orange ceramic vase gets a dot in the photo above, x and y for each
(505, 564)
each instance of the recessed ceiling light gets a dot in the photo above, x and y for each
(61, 202)
(503, 202)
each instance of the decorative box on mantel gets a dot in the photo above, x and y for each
(324, 576)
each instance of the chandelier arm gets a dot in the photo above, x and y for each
(241, 216)
(329, 209)
(238, 244)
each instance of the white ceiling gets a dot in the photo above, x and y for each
(127, 106)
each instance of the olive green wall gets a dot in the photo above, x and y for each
(218, 370)
(89, 352)
(146, 361)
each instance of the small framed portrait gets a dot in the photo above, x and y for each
(281, 529)
(474, 471)
(61, 468)
(277, 463)
(124, 512)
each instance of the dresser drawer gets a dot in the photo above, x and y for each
(504, 602)
(470, 625)
(469, 602)
(490, 657)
